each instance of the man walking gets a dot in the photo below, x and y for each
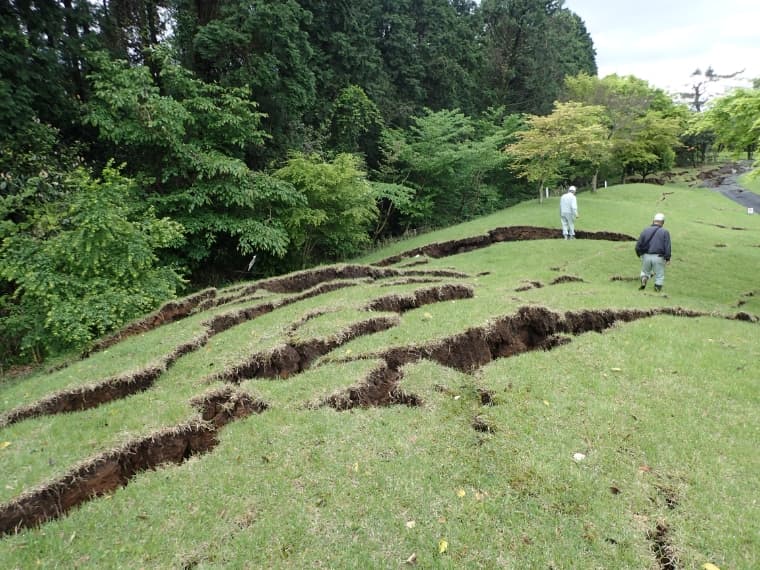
(568, 211)
(653, 247)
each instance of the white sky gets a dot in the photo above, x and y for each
(665, 41)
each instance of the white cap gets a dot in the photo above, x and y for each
(659, 217)
(572, 189)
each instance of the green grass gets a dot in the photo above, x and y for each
(664, 410)
(750, 182)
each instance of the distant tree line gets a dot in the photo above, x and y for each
(151, 146)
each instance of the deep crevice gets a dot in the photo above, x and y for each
(497, 235)
(420, 297)
(114, 388)
(532, 328)
(292, 358)
(380, 388)
(114, 469)
(167, 313)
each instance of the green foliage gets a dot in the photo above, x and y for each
(573, 133)
(451, 161)
(339, 207)
(645, 124)
(355, 124)
(260, 45)
(187, 141)
(531, 46)
(94, 268)
(735, 120)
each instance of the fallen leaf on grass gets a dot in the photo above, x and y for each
(410, 524)
(443, 546)
(645, 468)
(479, 496)
(5, 444)
(616, 369)
(546, 403)
(461, 493)
(709, 566)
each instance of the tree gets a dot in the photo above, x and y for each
(450, 165)
(530, 47)
(698, 93)
(631, 108)
(735, 120)
(545, 151)
(355, 125)
(261, 46)
(88, 267)
(652, 144)
(186, 141)
(339, 207)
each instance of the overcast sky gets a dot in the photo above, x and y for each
(664, 41)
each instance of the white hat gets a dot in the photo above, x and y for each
(659, 217)
(572, 189)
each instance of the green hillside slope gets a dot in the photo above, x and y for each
(505, 399)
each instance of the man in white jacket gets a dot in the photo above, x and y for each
(568, 211)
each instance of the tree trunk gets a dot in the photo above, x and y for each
(593, 180)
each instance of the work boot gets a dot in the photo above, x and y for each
(644, 280)
(658, 288)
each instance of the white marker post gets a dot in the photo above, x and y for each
(547, 192)
(605, 184)
(750, 210)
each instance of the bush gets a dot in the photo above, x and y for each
(91, 270)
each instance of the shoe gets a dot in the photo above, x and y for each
(644, 280)
(658, 288)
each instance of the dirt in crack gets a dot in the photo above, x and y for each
(663, 550)
(532, 328)
(296, 356)
(497, 235)
(380, 388)
(292, 358)
(113, 469)
(118, 387)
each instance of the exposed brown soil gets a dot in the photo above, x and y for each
(93, 395)
(566, 279)
(294, 357)
(113, 469)
(291, 358)
(167, 313)
(410, 281)
(302, 280)
(532, 328)
(513, 233)
(403, 303)
(664, 552)
(380, 388)
(530, 285)
(415, 263)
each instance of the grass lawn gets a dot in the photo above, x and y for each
(631, 443)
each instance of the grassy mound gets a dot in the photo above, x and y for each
(483, 396)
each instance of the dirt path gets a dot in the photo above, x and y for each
(731, 189)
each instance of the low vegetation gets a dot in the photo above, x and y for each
(504, 399)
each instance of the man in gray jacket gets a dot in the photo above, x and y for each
(653, 247)
(568, 211)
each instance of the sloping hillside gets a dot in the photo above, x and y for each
(486, 396)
